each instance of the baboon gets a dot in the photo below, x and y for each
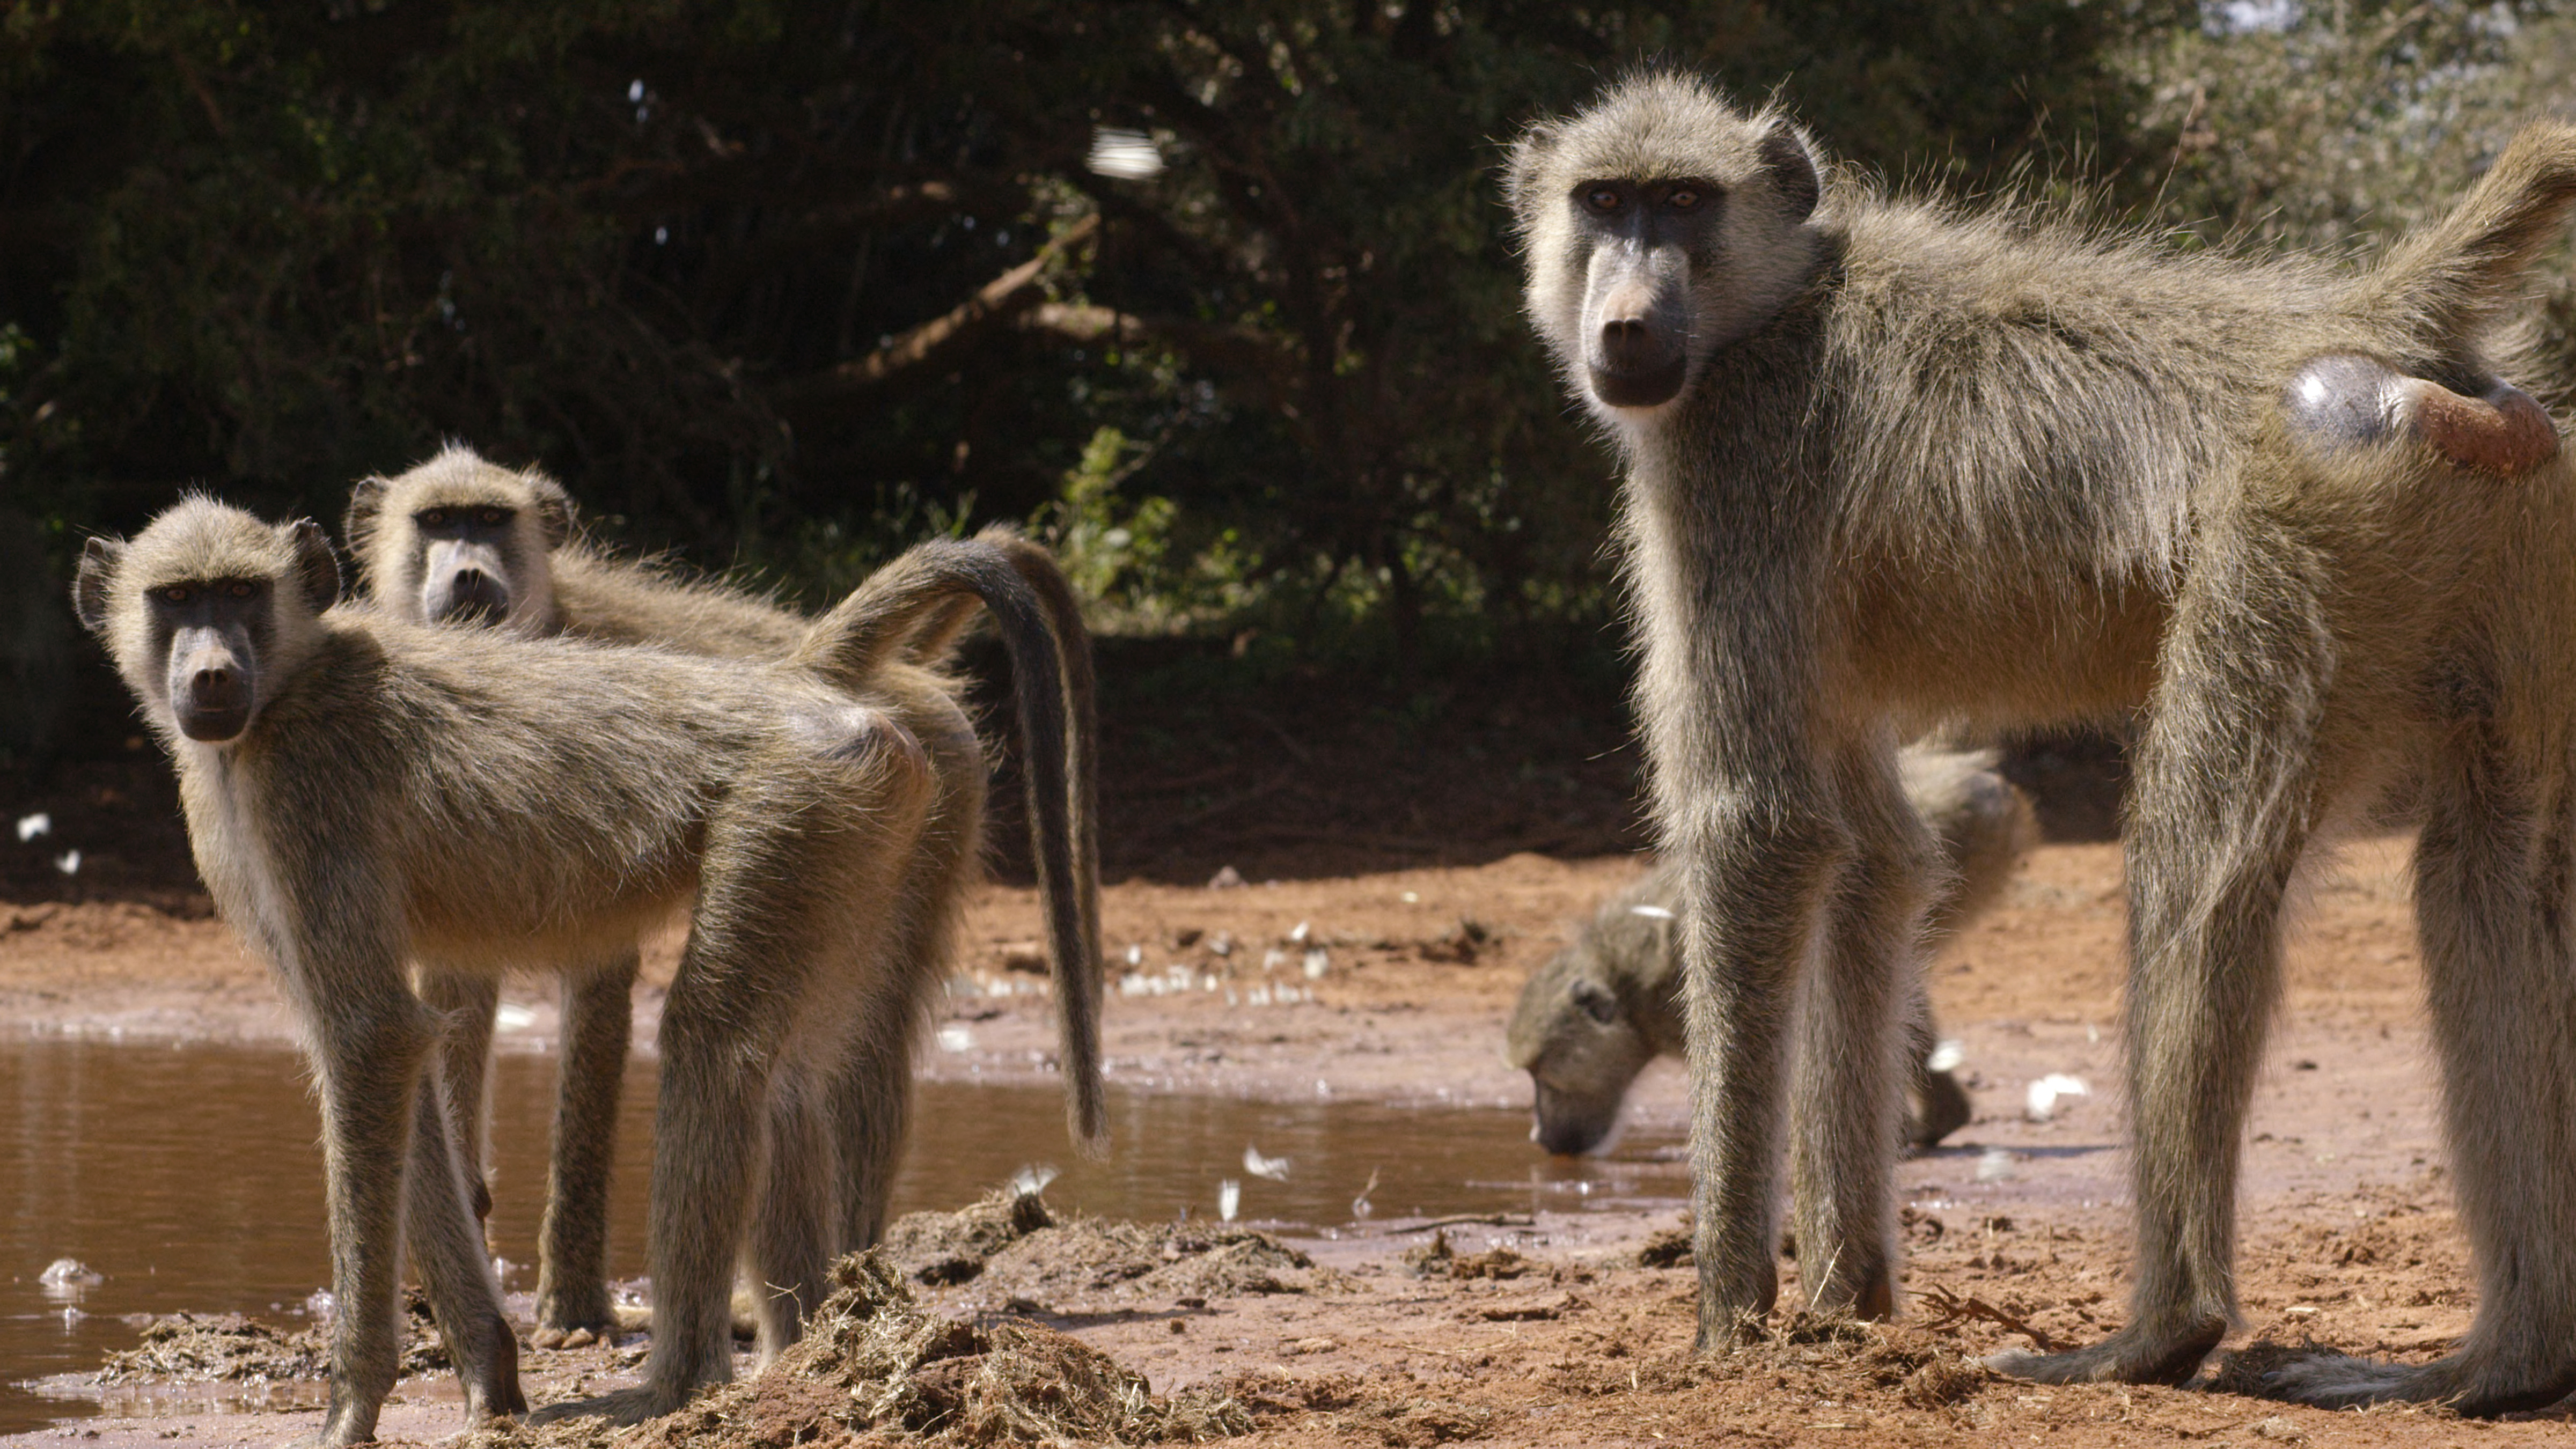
(1891, 465)
(362, 792)
(1590, 1019)
(459, 539)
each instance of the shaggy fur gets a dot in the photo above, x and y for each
(413, 533)
(1921, 466)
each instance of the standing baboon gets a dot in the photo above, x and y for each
(464, 540)
(1590, 1019)
(1889, 466)
(362, 792)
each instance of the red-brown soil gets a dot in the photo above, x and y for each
(2348, 1229)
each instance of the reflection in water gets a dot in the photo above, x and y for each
(190, 1176)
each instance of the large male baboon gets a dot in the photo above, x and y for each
(1890, 465)
(362, 792)
(1595, 1013)
(461, 540)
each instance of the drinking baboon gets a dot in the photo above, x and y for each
(458, 539)
(1590, 1019)
(362, 792)
(1891, 465)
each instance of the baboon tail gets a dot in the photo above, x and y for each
(2449, 282)
(1041, 627)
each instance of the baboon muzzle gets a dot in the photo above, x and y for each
(471, 597)
(210, 695)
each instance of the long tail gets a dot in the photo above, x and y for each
(880, 622)
(2449, 283)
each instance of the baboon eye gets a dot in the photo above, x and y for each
(241, 588)
(1683, 198)
(491, 517)
(1603, 199)
(175, 593)
(431, 518)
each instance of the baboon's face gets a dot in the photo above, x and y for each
(467, 561)
(458, 540)
(1573, 1034)
(206, 611)
(1661, 226)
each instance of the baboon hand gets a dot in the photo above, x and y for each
(2138, 1354)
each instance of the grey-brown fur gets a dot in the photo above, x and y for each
(1890, 465)
(548, 581)
(1590, 1019)
(362, 792)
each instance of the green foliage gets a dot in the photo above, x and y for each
(703, 260)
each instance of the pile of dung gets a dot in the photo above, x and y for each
(1010, 1245)
(1804, 1358)
(873, 1364)
(207, 1348)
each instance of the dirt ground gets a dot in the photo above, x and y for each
(1552, 1331)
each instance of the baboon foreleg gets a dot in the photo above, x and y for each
(2219, 815)
(446, 1242)
(572, 1273)
(369, 1049)
(467, 1002)
(2492, 888)
(1851, 1060)
(1750, 893)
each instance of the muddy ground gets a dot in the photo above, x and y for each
(1567, 1338)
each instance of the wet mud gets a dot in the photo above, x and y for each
(1559, 1326)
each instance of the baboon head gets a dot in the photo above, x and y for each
(1576, 1034)
(458, 540)
(207, 612)
(1658, 226)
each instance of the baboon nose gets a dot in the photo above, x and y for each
(473, 597)
(214, 706)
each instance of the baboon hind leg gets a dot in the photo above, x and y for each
(1847, 1094)
(572, 1271)
(2492, 892)
(2220, 813)
(792, 1222)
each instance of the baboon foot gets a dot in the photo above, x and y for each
(343, 1426)
(574, 1321)
(2339, 1381)
(624, 1407)
(1945, 1109)
(2134, 1355)
(494, 1393)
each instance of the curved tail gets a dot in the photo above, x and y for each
(2449, 283)
(885, 619)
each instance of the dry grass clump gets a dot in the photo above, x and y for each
(1012, 1243)
(873, 1364)
(201, 1348)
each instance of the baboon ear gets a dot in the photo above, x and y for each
(98, 562)
(366, 505)
(1596, 1002)
(554, 510)
(1791, 165)
(1520, 170)
(317, 568)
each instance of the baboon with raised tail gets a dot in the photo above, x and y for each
(1591, 1017)
(362, 793)
(461, 540)
(1890, 465)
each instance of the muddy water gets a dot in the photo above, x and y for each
(190, 1178)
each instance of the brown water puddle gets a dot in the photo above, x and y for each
(189, 1177)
